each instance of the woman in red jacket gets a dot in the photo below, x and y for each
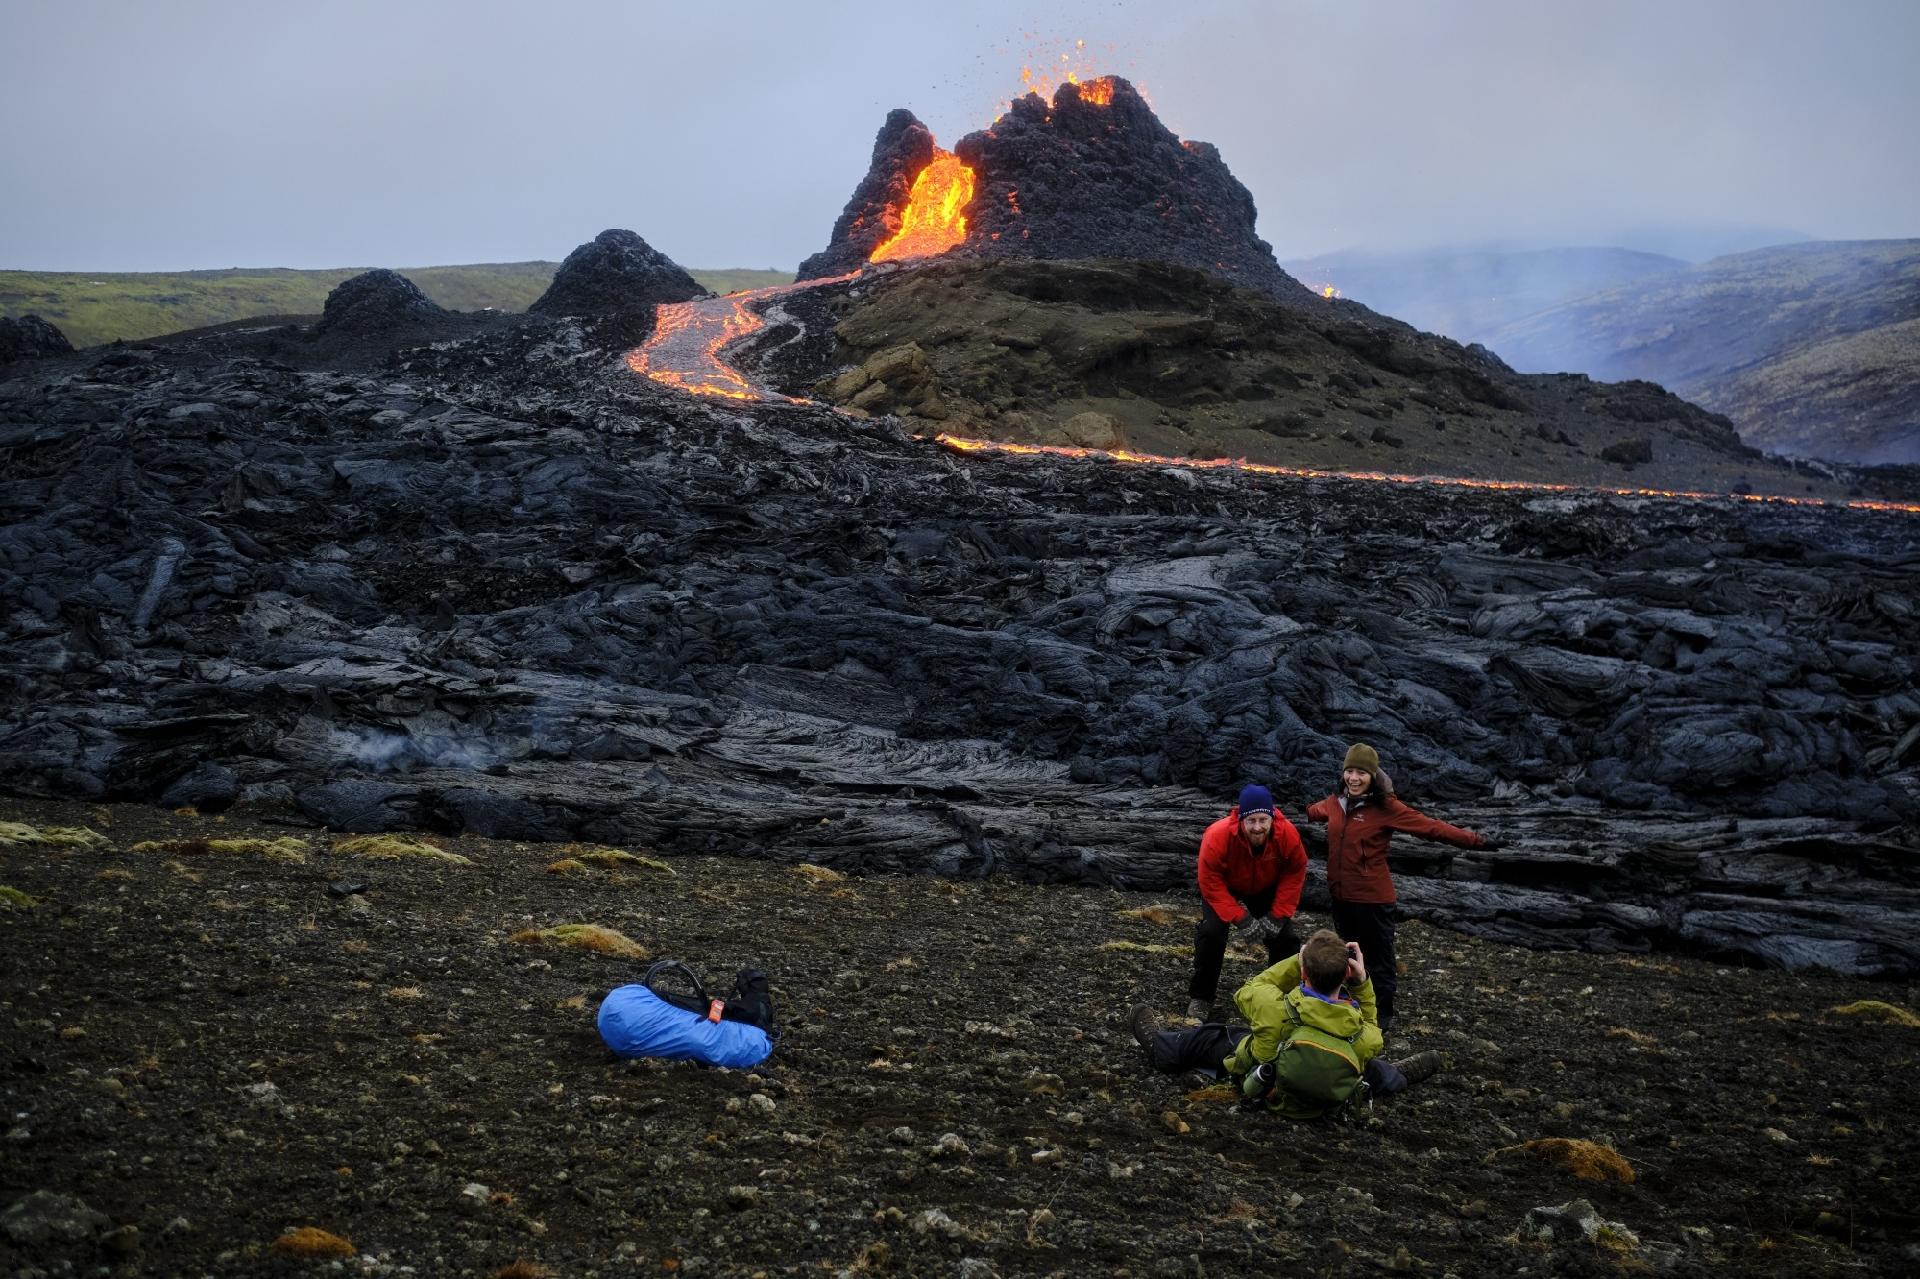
(1360, 818)
(1252, 865)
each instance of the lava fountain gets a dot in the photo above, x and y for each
(935, 218)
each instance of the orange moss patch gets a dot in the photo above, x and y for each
(523, 1270)
(818, 874)
(1153, 914)
(1147, 948)
(566, 866)
(1587, 1160)
(311, 1241)
(593, 937)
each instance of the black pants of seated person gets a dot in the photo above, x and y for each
(1210, 944)
(1205, 1046)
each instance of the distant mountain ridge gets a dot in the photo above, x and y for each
(1467, 294)
(94, 307)
(1811, 349)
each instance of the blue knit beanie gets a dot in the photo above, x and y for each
(1256, 799)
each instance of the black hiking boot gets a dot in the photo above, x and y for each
(1143, 1024)
(1420, 1066)
(1200, 1009)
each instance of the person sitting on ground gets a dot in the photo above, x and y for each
(1360, 818)
(1251, 868)
(1311, 1041)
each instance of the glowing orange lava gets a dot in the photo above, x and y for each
(1098, 92)
(933, 220)
(964, 445)
(1329, 292)
(688, 338)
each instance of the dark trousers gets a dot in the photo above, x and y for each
(1372, 926)
(1210, 944)
(1205, 1046)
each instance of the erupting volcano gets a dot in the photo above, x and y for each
(1089, 173)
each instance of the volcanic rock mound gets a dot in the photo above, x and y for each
(1168, 360)
(1092, 174)
(373, 301)
(30, 337)
(616, 275)
(902, 148)
(1087, 178)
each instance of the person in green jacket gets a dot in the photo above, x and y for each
(1311, 1040)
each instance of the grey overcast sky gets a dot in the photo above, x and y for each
(198, 133)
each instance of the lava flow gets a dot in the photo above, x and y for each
(961, 444)
(688, 337)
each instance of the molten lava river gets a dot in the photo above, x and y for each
(688, 337)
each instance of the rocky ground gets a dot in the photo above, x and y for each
(506, 587)
(501, 589)
(209, 1050)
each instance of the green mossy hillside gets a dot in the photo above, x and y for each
(94, 307)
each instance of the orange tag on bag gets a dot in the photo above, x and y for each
(713, 1008)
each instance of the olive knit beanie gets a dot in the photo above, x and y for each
(1364, 757)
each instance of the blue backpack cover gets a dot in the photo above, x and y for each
(635, 1022)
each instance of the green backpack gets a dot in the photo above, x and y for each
(1314, 1073)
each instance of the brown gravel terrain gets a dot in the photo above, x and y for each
(211, 1050)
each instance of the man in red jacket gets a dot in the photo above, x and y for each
(1360, 818)
(1252, 865)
